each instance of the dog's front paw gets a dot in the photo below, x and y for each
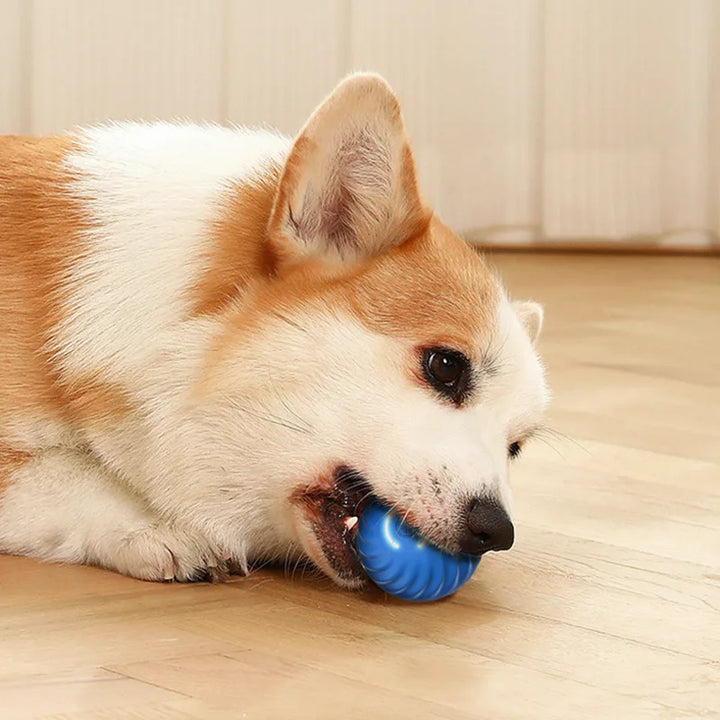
(162, 553)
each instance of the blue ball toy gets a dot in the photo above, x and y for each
(402, 563)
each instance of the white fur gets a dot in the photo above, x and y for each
(151, 192)
(87, 516)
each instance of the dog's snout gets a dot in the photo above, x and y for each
(488, 527)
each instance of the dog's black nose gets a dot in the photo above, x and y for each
(488, 527)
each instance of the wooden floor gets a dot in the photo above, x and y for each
(607, 607)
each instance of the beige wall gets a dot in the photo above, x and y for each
(564, 120)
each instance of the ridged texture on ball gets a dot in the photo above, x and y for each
(405, 565)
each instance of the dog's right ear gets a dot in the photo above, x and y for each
(531, 316)
(348, 189)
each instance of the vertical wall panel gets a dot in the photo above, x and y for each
(283, 58)
(467, 75)
(626, 120)
(13, 56)
(713, 24)
(131, 59)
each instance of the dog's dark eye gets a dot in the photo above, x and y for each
(448, 371)
(445, 368)
(514, 449)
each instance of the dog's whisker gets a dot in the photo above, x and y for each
(283, 402)
(286, 560)
(409, 510)
(260, 583)
(558, 434)
(547, 442)
(294, 568)
(307, 424)
(274, 420)
(363, 498)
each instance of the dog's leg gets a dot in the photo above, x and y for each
(62, 505)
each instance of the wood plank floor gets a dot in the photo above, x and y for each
(607, 607)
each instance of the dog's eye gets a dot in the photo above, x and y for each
(514, 449)
(448, 371)
(444, 367)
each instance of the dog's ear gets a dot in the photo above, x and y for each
(348, 188)
(531, 316)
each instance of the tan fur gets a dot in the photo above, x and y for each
(10, 461)
(430, 290)
(438, 291)
(238, 250)
(40, 236)
(91, 401)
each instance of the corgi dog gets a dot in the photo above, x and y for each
(218, 343)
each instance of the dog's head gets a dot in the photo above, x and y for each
(381, 358)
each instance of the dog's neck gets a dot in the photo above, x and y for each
(238, 252)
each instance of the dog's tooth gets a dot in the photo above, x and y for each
(350, 522)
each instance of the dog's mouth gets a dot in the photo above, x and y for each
(330, 511)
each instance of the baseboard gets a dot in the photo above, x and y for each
(597, 247)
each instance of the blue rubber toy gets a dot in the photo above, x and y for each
(404, 564)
